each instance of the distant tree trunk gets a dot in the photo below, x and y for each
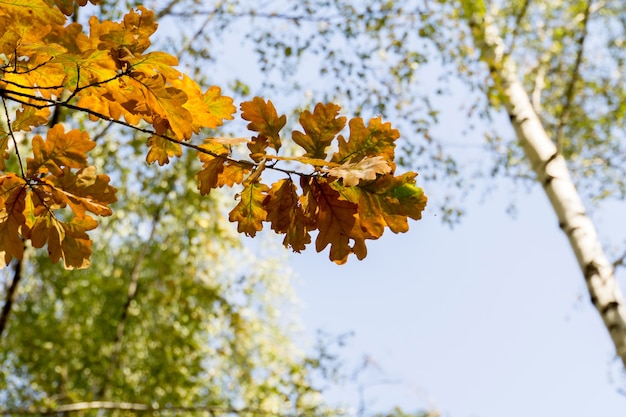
(552, 173)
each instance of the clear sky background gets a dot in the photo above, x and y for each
(488, 319)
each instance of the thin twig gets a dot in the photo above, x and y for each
(518, 24)
(569, 92)
(10, 129)
(619, 261)
(195, 36)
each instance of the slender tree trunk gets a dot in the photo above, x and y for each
(552, 173)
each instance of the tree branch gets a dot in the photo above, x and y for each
(46, 102)
(10, 297)
(144, 408)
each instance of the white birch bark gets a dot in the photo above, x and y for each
(553, 175)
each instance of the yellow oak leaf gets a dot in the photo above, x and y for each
(249, 213)
(366, 169)
(32, 12)
(264, 119)
(232, 174)
(320, 129)
(58, 150)
(221, 107)
(29, 117)
(161, 150)
(286, 215)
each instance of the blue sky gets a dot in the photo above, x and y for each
(488, 319)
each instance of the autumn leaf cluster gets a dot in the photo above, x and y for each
(346, 189)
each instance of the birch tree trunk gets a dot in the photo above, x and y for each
(552, 173)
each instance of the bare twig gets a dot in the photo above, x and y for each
(518, 24)
(569, 92)
(10, 129)
(619, 261)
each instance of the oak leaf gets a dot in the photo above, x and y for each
(320, 129)
(249, 213)
(85, 191)
(161, 150)
(334, 217)
(365, 169)
(58, 150)
(66, 240)
(29, 117)
(264, 119)
(377, 139)
(386, 202)
(220, 107)
(12, 220)
(286, 216)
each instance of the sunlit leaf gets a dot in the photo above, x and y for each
(264, 119)
(320, 129)
(58, 150)
(365, 169)
(286, 216)
(249, 213)
(161, 150)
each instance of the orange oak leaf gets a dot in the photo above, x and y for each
(377, 139)
(212, 166)
(66, 240)
(67, 6)
(84, 191)
(249, 213)
(387, 202)
(263, 119)
(334, 217)
(286, 215)
(365, 169)
(132, 34)
(59, 150)
(320, 129)
(12, 220)
(161, 150)
(153, 100)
